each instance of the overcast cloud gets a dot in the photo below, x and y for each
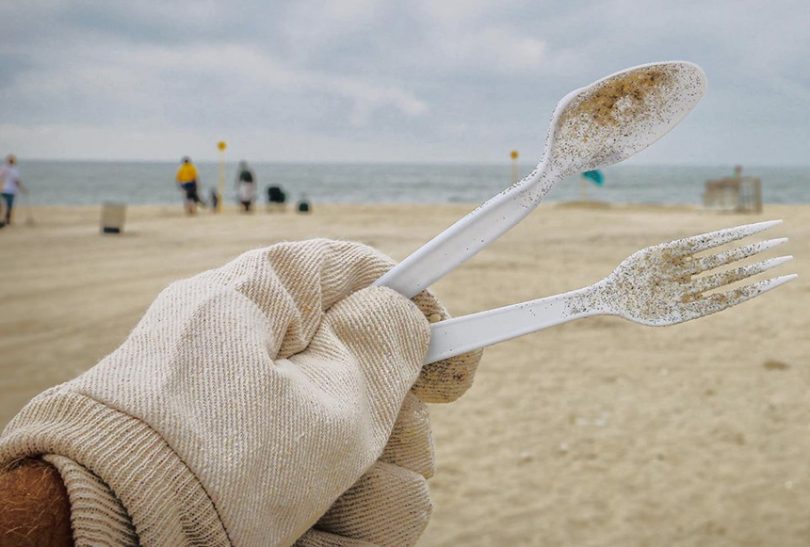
(366, 80)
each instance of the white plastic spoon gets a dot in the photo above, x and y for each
(598, 125)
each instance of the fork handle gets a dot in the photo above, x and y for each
(469, 235)
(462, 334)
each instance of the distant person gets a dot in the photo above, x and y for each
(187, 179)
(214, 197)
(11, 184)
(246, 186)
(738, 171)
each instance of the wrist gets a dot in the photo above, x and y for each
(34, 505)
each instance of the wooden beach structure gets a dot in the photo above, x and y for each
(735, 194)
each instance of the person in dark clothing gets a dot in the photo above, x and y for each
(246, 186)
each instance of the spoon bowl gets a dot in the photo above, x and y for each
(620, 115)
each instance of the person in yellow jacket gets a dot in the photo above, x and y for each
(187, 179)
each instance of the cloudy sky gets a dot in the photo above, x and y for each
(367, 80)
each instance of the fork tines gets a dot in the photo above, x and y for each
(686, 248)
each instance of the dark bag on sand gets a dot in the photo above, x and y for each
(276, 195)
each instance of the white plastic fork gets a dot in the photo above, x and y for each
(655, 286)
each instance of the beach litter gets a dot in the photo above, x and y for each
(591, 127)
(598, 125)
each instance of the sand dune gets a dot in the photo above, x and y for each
(598, 432)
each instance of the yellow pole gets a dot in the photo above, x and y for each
(221, 145)
(514, 155)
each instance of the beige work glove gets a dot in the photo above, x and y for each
(253, 405)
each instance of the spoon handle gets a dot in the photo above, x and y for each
(470, 234)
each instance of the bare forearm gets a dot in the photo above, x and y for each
(34, 506)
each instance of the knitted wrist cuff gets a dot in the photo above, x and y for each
(97, 517)
(166, 502)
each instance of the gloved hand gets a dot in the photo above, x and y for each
(390, 504)
(246, 401)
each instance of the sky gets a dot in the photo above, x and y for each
(386, 81)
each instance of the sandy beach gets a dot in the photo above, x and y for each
(597, 432)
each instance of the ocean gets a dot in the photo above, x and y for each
(92, 182)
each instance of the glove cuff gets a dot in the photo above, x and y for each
(97, 517)
(164, 499)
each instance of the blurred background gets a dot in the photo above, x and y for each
(439, 93)
(384, 123)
